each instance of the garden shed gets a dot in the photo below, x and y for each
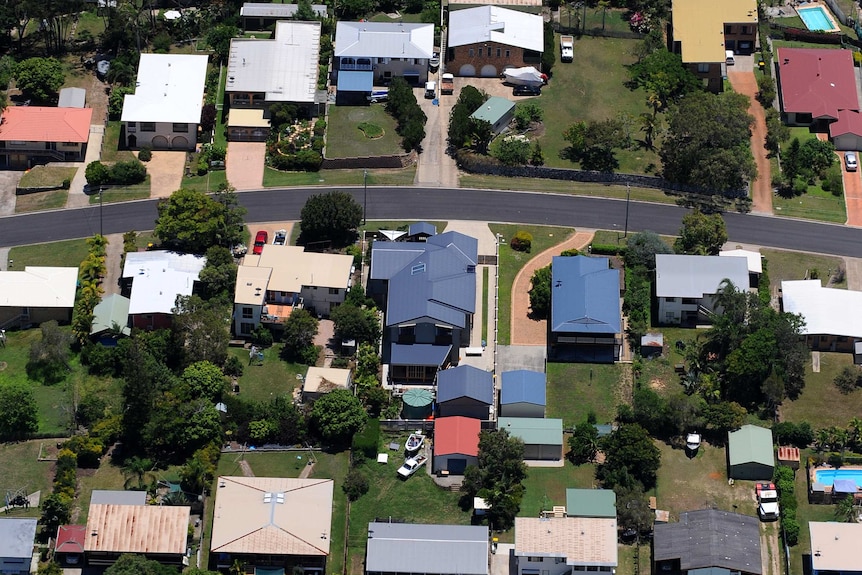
(456, 444)
(522, 394)
(465, 390)
(543, 438)
(749, 453)
(496, 111)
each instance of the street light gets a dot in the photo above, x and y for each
(365, 188)
(101, 230)
(628, 196)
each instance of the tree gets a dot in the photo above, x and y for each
(633, 510)
(337, 416)
(642, 247)
(97, 173)
(354, 9)
(40, 78)
(299, 330)
(219, 38)
(701, 234)
(498, 477)
(355, 484)
(460, 125)
(584, 443)
(332, 217)
(630, 456)
(192, 222)
(219, 275)
(513, 151)
(209, 115)
(197, 474)
(202, 379)
(56, 511)
(664, 78)
(202, 329)
(138, 472)
(355, 323)
(723, 417)
(129, 564)
(19, 413)
(49, 357)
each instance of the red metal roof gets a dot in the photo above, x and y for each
(39, 124)
(456, 435)
(817, 81)
(849, 122)
(70, 539)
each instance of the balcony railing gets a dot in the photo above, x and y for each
(355, 67)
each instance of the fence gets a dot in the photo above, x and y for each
(392, 161)
(596, 31)
(833, 5)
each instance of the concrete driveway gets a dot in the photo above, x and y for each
(8, 183)
(244, 164)
(435, 166)
(166, 172)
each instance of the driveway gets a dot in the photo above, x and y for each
(244, 164)
(166, 172)
(77, 198)
(435, 167)
(8, 183)
(744, 82)
(852, 192)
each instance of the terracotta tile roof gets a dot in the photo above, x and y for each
(70, 539)
(40, 124)
(817, 81)
(456, 435)
(137, 529)
(849, 122)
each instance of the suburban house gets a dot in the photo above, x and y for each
(281, 70)
(428, 292)
(485, 40)
(586, 322)
(69, 545)
(111, 319)
(373, 53)
(165, 110)
(750, 454)
(465, 390)
(321, 380)
(708, 541)
(157, 532)
(686, 285)
(496, 111)
(835, 548)
(817, 88)
(702, 32)
(456, 444)
(31, 135)
(833, 317)
(260, 16)
(755, 263)
(17, 537)
(36, 295)
(272, 523)
(529, 6)
(591, 503)
(423, 549)
(153, 280)
(565, 545)
(270, 285)
(72, 98)
(543, 438)
(522, 393)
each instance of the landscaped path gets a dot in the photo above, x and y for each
(526, 331)
(745, 83)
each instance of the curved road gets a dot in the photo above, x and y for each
(391, 203)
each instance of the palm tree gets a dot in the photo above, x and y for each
(821, 440)
(650, 124)
(138, 473)
(845, 510)
(854, 434)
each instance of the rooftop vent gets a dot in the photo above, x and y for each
(417, 269)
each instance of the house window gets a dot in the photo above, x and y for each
(689, 301)
(148, 126)
(558, 560)
(508, 53)
(334, 291)
(745, 30)
(131, 127)
(246, 328)
(498, 52)
(728, 29)
(387, 75)
(247, 313)
(702, 68)
(480, 52)
(471, 53)
(181, 128)
(416, 61)
(415, 372)
(534, 559)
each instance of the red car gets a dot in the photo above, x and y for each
(260, 240)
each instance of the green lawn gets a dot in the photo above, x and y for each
(123, 193)
(390, 177)
(37, 201)
(482, 181)
(45, 176)
(208, 183)
(111, 151)
(404, 17)
(21, 470)
(815, 204)
(792, 21)
(275, 377)
(485, 304)
(776, 44)
(575, 389)
(821, 404)
(282, 464)
(64, 253)
(510, 262)
(344, 139)
(783, 265)
(617, 238)
(546, 486)
(107, 476)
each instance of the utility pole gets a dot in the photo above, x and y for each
(628, 196)
(365, 188)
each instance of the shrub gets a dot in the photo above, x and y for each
(146, 154)
(790, 526)
(209, 114)
(97, 173)
(766, 90)
(162, 43)
(233, 367)
(367, 440)
(67, 183)
(857, 58)
(127, 173)
(87, 449)
(116, 100)
(261, 337)
(522, 241)
(355, 485)
(606, 249)
(848, 380)
(320, 127)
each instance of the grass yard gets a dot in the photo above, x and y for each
(22, 470)
(575, 389)
(210, 182)
(482, 181)
(546, 486)
(629, 555)
(510, 262)
(282, 464)
(275, 377)
(388, 177)
(123, 193)
(821, 404)
(776, 44)
(792, 21)
(617, 238)
(46, 176)
(53, 200)
(107, 476)
(334, 466)
(64, 253)
(111, 151)
(346, 139)
(375, 225)
(815, 204)
(784, 265)
(220, 130)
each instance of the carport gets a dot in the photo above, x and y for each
(354, 87)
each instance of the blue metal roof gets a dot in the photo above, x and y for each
(585, 296)
(522, 386)
(419, 354)
(350, 81)
(465, 381)
(422, 228)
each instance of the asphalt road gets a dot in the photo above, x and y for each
(444, 204)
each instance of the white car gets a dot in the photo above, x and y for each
(850, 161)
(411, 466)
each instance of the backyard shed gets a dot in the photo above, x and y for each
(591, 503)
(465, 390)
(496, 111)
(522, 394)
(456, 444)
(543, 438)
(749, 453)
(417, 404)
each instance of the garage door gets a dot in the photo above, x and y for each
(160, 142)
(457, 466)
(489, 71)
(180, 143)
(467, 70)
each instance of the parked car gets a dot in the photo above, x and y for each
(434, 62)
(260, 240)
(850, 161)
(526, 91)
(412, 465)
(280, 238)
(430, 90)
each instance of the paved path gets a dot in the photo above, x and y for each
(852, 193)
(435, 167)
(4, 258)
(306, 471)
(744, 82)
(526, 331)
(244, 164)
(77, 198)
(113, 255)
(166, 172)
(8, 184)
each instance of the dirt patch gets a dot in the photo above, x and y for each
(3, 365)
(657, 384)
(716, 476)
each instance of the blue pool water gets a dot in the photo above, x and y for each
(828, 476)
(815, 18)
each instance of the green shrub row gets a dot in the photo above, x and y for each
(607, 249)
(367, 440)
(121, 173)
(91, 274)
(785, 483)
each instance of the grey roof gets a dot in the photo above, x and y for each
(384, 40)
(693, 276)
(710, 538)
(268, 10)
(585, 296)
(419, 354)
(422, 228)
(17, 537)
(113, 309)
(118, 497)
(465, 381)
(72, 98)
(437, 549)
(522, 386)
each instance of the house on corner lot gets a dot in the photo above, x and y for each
(31, 135)
(702, 32)
(708, 541)
(833, 317)
(565, 545)
(157, 532)
(522, 393)
(165, 110)
(543, 438)
(585, 310)
(394, 548)
(272, 523)
(259, 16)
(153, 280)
(17, 537)
(685, 286)
(485, 40)
(281, 70)
(456, 444)
(591, 503)
(835, 548)
(750, 454)
(496, 111)
(465, 390)
(36, 295)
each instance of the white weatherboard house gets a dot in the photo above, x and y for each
(153, 281)
(165, 110)
(36, 295)
(833, 317)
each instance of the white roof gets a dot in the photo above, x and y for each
(251, 285)
(268, 10)
(495, 24)
(38, 287)
(755, 259)
(158, 278)
(825, 310)
(293, 268)
(384, 40)
(694, 276)
(169, 88)
(284, 68)
(835, 546)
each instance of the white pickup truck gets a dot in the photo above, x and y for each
(412, 465)
(767, 502)
(567, 48)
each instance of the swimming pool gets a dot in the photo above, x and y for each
(817, 18)
(828, 476)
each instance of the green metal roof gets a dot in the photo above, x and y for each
(750, 444)
(114, 309)
(591, 503)
(493, 109)
(533, 430)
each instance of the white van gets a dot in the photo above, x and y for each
(430, 89)
(728, 58)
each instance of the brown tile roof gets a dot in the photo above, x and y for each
(137, 529)
(581, 540)
(39, 124)
(817, 81)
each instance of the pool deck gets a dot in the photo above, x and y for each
(812, 471)
(825, 9)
